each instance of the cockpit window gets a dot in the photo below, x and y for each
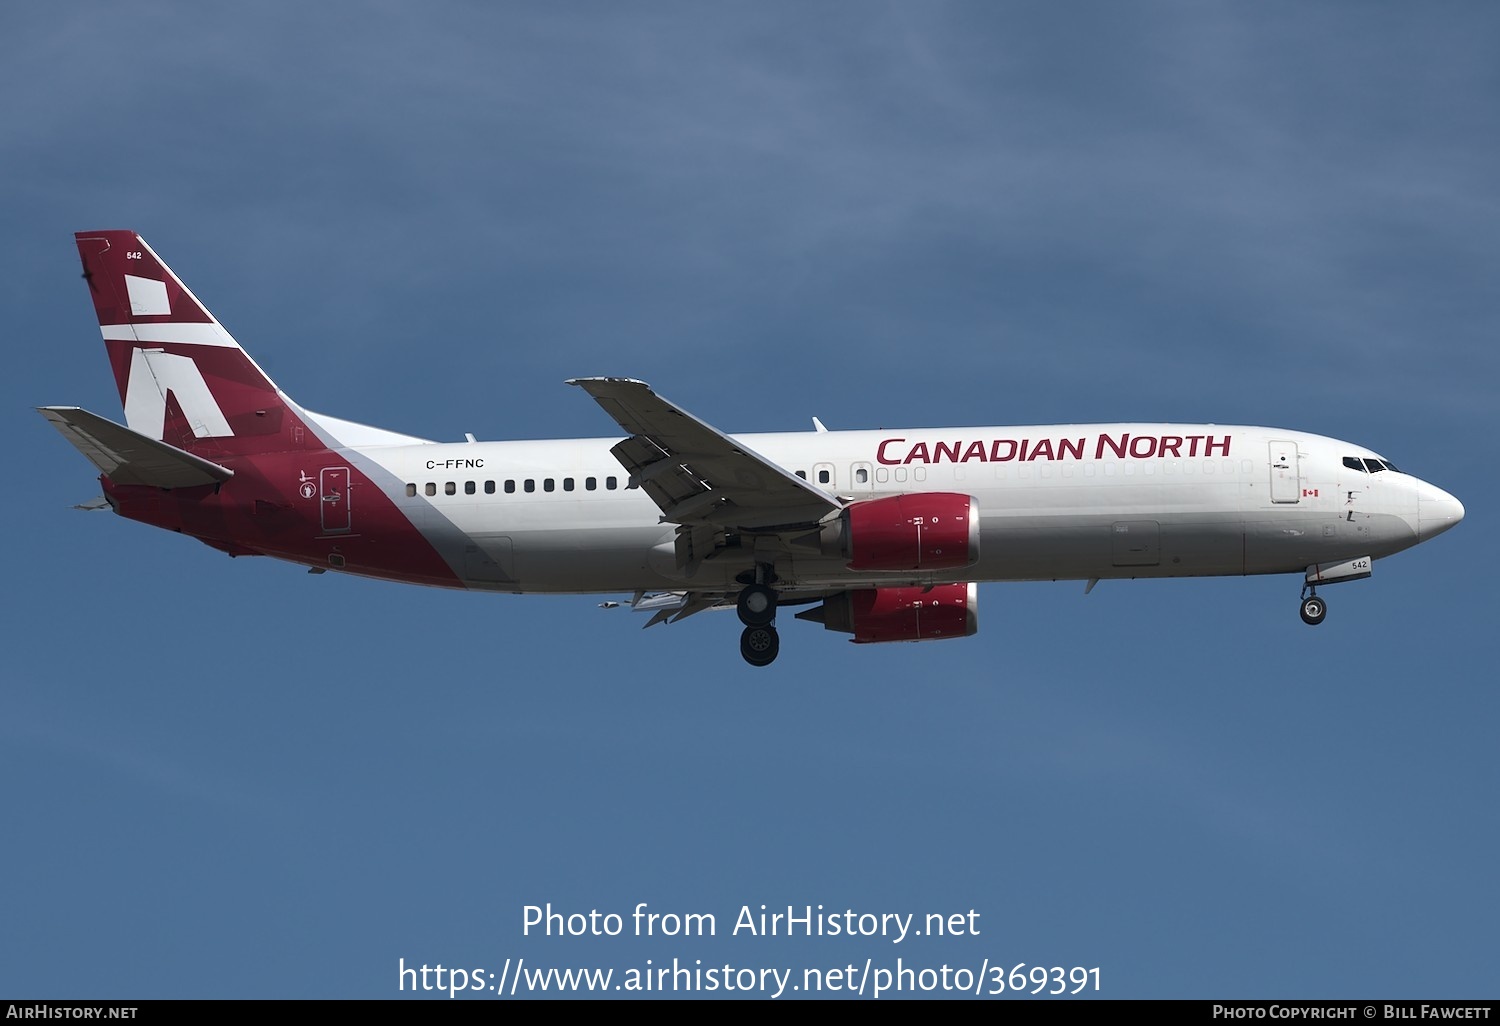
(1369, 465)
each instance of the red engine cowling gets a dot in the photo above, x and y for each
(901, 614)
(922, 531)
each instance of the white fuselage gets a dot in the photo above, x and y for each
(1056, 502)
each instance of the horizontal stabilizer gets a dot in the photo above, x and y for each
(128, 457)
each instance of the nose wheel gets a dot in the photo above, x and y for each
(1313, 609)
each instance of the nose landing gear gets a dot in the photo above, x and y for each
(1313, 608)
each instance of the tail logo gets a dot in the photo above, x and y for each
(148, 297)
(154, 373)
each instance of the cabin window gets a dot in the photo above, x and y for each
(610, 483)
(823, 477)
(510, 486)
(591, 483)
(450, 488)
(862, 476)
(431, 488)
(489, 488)
(411, 490)
(469, 488)
(548, 485)
(530, 485)
(802, 474)
(567, 484)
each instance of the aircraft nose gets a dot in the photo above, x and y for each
(1436, 512)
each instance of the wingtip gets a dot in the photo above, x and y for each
(604, 381)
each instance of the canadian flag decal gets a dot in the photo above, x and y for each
(1309, 491)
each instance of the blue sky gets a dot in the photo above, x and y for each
(231, 779)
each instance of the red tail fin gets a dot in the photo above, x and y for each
(178, 371)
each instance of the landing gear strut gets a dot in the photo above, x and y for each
(756, 606)
(1313, 608)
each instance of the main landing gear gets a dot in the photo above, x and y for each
(759, 642)
(1313, 608)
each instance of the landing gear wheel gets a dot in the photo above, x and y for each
(756, 605)
(1313, 610)
(759, 645)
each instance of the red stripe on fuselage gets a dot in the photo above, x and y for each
(265, 509)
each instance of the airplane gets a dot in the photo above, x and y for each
(881, 534)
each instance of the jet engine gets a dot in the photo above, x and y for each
(922, 531)
(900, 614)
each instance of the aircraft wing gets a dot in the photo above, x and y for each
(129, 457)
(671, 606)
(697, 474)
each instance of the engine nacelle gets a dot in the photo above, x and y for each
(901, 614)
(922, 531)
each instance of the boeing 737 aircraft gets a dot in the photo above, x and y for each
(879, 534)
